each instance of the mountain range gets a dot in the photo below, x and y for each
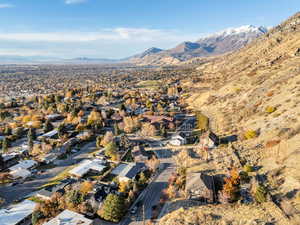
(215, 44)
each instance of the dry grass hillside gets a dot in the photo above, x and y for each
(255, 93)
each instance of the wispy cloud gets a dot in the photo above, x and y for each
(111, 43)
(74, 1)
(6, 5)
(116, 34)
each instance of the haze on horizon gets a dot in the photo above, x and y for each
(118, 29)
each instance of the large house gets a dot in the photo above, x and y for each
(87, 166)
(127, 172)
(68, 217)
(22, 169)
(18, 214)
(200, 187)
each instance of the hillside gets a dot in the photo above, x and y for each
(216, 44)
(255, 90)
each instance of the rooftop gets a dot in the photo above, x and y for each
(87, 165)
(16, 213)
(68, 217)
(26, 164)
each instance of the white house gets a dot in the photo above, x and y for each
(20, 173)
(68, 217)
(49, 134)
(25, 164)
(86, 166)
(17, 214)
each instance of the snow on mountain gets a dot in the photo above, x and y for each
(238, 30)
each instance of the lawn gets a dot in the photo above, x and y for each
(151, 84)
(59, 177)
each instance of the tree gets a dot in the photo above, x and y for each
(74, 198)
(86, 187)
(123, 186)
(48, 126)
(111, 149)
(2, 163)
(116, 129)
(61, 130)
(152, 164)
(36, 216)
(142, 179)
(7, 130)
(171, 191)
(30, 144)
(31, 134)
(98, 141)
(108, 137)
(202, 121)
(113, 208)
(5, 145)
(148, 130)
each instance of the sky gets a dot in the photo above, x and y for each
(121, 28)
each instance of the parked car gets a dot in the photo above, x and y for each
(134, 210)
(14, 183)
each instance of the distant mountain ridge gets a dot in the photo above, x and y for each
(215, 44)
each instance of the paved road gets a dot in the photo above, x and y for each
(20, 191)
(154, 190)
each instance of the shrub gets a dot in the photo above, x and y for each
(270, 109)
(248, 168)
(250, 134)
(272, 143)
(261, 194)
(202, 121)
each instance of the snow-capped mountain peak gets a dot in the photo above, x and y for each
(239, 30)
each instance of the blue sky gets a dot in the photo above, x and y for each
(120, 28)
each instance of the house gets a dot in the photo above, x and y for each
(18, 214)
(83, 135)
(54, 117)
(87, 166)
(126, 172)
(50, 134)
(178, 139)
(49, 191)
(200, 187)
(68, 217)
(209, 140)
(10, 159)
(137, 154)
(20, 173)
(49, 158)
(25, 164)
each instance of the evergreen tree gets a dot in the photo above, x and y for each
(116, 129)
(7, 131)
(2, 163)
(31, 134)
(48, 126)
(113, 208)
(5, 145)
(98, 141)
